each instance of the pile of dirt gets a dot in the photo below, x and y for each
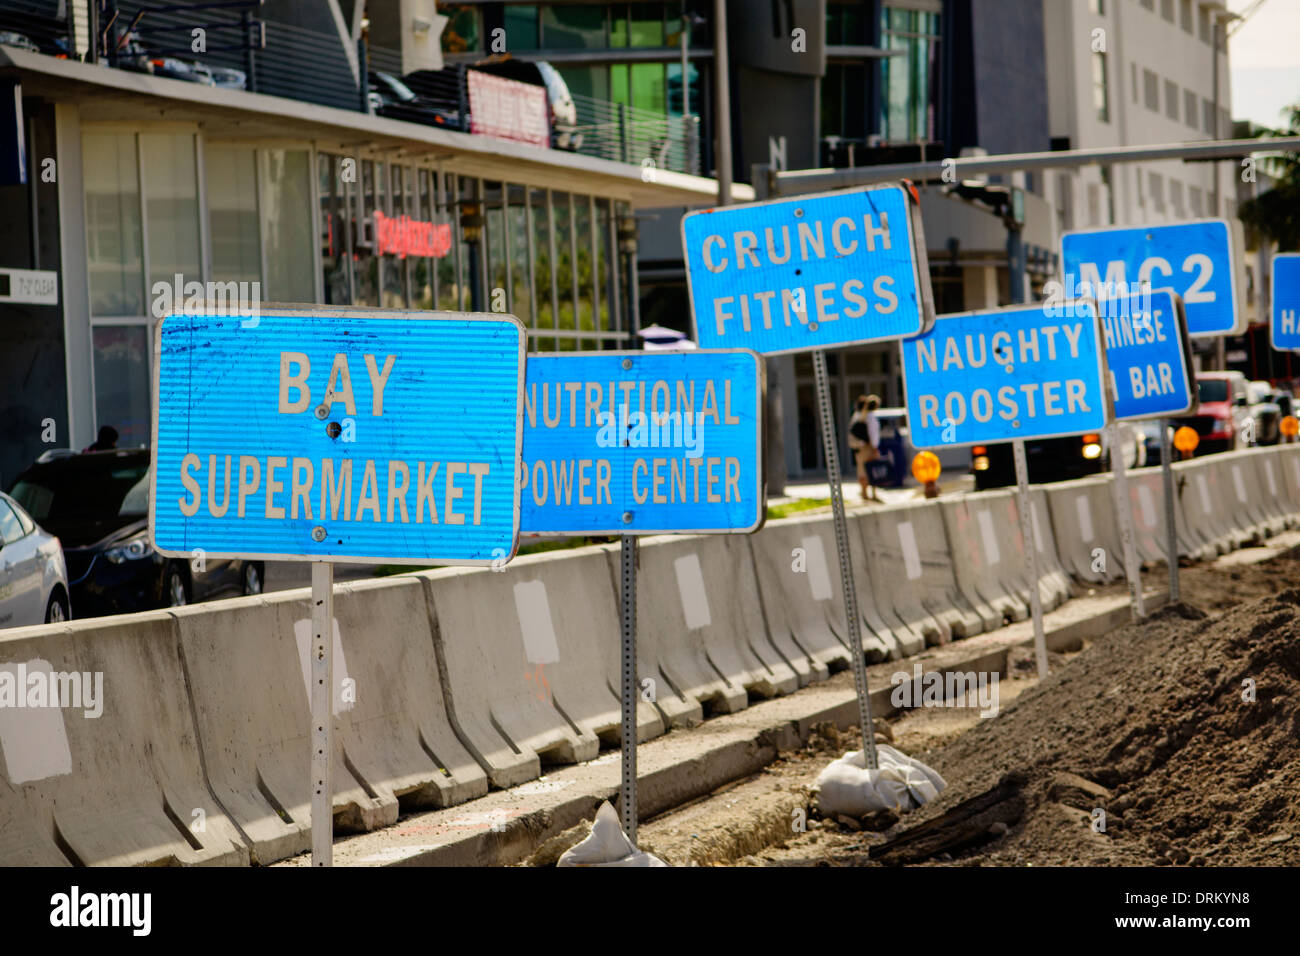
(1183, 730)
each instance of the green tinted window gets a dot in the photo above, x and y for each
(649, 90)
(521, 28)
(573, 28)
(647, 24)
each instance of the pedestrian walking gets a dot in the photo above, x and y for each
(864, 440)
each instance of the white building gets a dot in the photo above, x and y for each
(1130, 73)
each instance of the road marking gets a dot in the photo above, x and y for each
(1239, 484)
(33, 740)
(911, 556)
(690, 585)
(1039, 543)
(1147, 505)
(819, 578)
(1084, 509)
(990, 539)
(535, 623)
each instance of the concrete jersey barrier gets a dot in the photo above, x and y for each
(249, 669)
(124, 787)
(911, 569)
(701, 621)
(531, 658)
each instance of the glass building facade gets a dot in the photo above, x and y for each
(304, 224)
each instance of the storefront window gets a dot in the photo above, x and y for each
(171, 203)
(365, 268)
(336, 201)
(232, 214)
(122, 381)
(543, 274)
(113, 243)
(522, 304)
(495, 237)
(451, 286)
(564, 271)
(287, 226)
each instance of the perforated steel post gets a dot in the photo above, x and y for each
(1171, 527)
(1031, 548)
(627, 550)
(1124, 512)
(322, 713)
(830, 446)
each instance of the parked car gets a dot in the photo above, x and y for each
(1055, 459)
(98, 505)
(1266, 411)
(441, 88)
(1150, 430)
(893, 469)
(33, 578)
(392, 98)
(1224, 411)
(222, 76)
(18, 40)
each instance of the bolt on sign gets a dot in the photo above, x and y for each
(812, 272)
(1283, 330)
(1197, 260)
(643, 443)
(1034, 371)
(1147, 353)
(338, 435)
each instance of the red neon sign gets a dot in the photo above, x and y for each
(403, 236)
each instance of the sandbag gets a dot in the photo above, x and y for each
(607, 845)
(901, 782)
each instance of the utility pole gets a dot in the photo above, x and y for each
(1220, 343)
(722, 101)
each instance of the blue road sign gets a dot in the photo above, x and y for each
(338, 436)
(1147, 354)
(1198, 260)
(643, 443)
(807, 273)
(1035, 371)
(1284, 330)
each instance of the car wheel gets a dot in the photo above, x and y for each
(57, 610)
(251, 578)
(177, 590)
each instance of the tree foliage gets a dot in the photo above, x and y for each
(1276, 213)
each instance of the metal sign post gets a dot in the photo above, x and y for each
(830, 447)
(1027, 535)
(1124, 511)
(1013, 375)
(322, 713)
(803, 275)
(339, 435)
(627, 549)
(1171, 528)
(1148, 355)
(632, 443)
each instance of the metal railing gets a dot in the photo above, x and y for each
(641, 137)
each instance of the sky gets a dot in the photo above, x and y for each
(1264, 54)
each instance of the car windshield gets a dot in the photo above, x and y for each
(1212, 390)
(85, 490)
